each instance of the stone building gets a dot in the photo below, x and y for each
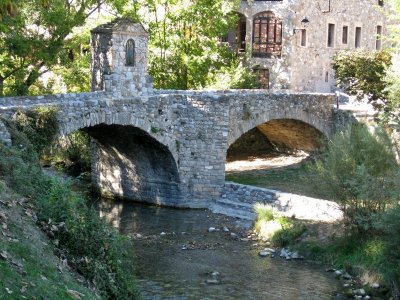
(291, 42)
(119, 58)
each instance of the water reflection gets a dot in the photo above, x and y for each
(165, 271)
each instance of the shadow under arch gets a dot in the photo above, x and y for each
(128, 163)
(274, 136)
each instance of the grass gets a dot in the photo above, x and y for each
(292, 179)
(91, 247)
(282, 231)
(27, 246)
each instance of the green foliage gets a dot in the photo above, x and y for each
(39, 124)
(19, 165)
(35, 38)
(291, 232)
(360, 171)
(72, 152)
(362, 73)
(234, 75)
(184, 48)
(94, 248)
(286, 233)
(388, 224)
(264, 213)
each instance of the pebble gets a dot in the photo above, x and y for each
(263, 253)
(215, 274)
(212, 281)
(346, 276)
(375, 285)
(233, 234)
(211, 229)
(338, 272)
(162, 233)
(359, 292)
(225, 229)
(270, 250)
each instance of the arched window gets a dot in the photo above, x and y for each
(130, 53)
(267, 35)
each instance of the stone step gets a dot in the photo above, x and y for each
(237, 204)
(234, 209)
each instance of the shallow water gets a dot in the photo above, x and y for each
(166, 271)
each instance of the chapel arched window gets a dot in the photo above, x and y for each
(130, 52)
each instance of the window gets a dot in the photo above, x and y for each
(130, 53)
(331, 35)
(378, 42)
(345, 33)
(357, 41)
(236, 37)
(303, 41)
(263, 78)
(267, 35)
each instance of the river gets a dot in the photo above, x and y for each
(178, 258)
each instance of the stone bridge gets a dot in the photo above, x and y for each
(169, 147)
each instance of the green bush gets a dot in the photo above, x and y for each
(72, 152)
(40, 125)
(388, 223)
(359, 170)
(19, 164)
(291, 232)
(93, 247)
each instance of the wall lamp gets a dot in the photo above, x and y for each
(304, 23)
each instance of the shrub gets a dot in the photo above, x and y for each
(388, 223)
(72, 152)
(40, 125)
(93, 247)
(283, 231)
(19, 164)
(360, 171)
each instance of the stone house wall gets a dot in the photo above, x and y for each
(308, 68)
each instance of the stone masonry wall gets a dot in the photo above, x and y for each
(286, 204)
(109, 71)
(308, 68)
(195, 127)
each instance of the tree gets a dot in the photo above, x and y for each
(362, 73)
(184, 46)
(33, 38)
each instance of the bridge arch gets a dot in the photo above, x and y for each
(112, 117)
(276, 135)
(294, 118)
(132, 158)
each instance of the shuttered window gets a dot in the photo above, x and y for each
(267, 35)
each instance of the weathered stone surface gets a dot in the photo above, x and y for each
(169, 147)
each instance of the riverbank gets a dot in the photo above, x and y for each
(81, 241)
(370, 257)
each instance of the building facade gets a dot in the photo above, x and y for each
(291, 42)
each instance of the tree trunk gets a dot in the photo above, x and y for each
(1, 86)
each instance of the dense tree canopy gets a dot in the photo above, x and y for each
(34, 38)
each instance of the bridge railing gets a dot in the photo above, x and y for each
(26, 101)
